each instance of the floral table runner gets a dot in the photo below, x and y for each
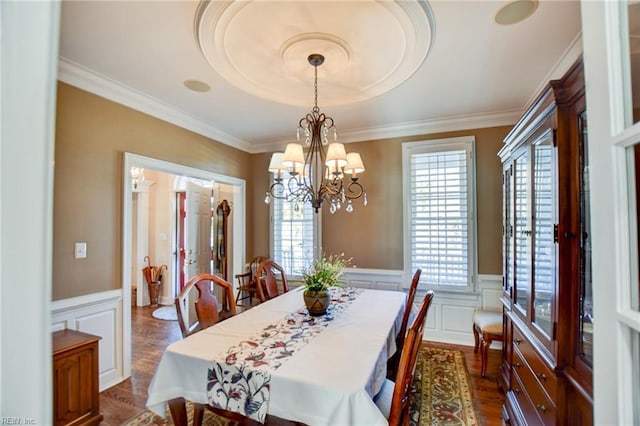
(239, 379)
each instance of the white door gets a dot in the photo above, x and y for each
(198, 230)
(611, 40)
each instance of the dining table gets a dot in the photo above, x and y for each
(276, 359)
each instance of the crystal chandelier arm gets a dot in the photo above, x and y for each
(354, 189)
(276, 190)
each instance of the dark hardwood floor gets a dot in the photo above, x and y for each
(151, 336)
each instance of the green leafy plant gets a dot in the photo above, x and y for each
(325, 272)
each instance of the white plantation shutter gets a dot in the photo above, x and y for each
(543, 224)
(440, 232)
(292, 235)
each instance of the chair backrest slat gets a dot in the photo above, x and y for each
(206, 305)
(392, 364)
(407, 312)
(399, 413)
(267, 277)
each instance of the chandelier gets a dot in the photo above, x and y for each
(137, 176)
(316, 176)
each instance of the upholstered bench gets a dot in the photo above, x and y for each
(487, 327)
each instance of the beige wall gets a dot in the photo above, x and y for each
(92, 134)
(372, 235)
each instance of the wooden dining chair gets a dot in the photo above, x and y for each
(247, 288)
(198, 296)
(179, 415)
(393, 400)
(271, 280)
(392, 364)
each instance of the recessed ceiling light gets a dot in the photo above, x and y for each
(196, 85)
(515, 11)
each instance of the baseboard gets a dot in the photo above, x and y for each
(163, 300)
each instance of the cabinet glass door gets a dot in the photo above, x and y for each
(586, 292)
(544, 270)
(507, 229)
(522, 232)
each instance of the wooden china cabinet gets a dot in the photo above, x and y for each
(546, 369)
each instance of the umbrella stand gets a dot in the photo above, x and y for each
(154, 292)
(152, 275)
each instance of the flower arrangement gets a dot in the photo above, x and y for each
(324, 272)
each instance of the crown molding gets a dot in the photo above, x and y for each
(415, 128)
(93, 82)
(474, 121)
(568, 58)
(448, 124)
(86, 79)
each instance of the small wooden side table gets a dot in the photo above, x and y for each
(76, 398)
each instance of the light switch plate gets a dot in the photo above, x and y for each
(80, 250)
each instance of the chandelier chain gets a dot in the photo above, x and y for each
(315, 89)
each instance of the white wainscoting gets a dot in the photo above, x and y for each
(99, 314)
(450, 316)
(377, 279)
(449, 319)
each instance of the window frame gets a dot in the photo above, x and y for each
(441, 145)
(316, 227)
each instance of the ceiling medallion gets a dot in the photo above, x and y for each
(262, 47)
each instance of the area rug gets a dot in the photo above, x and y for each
(167, 313)
(441, 394)
(444, 386)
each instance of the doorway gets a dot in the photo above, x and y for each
(173, 231)
(204, 229)
(135, 235)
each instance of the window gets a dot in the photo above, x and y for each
(293, 237)
(439, 199)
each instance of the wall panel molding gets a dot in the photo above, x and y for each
(450, 316)
(377, 279)
(99, 314)
(449, 319)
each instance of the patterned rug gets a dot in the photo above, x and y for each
(442, 371)
(444, 389)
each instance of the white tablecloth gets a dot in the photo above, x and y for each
(331, 381)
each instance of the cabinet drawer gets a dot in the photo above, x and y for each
(544, 407)
(539, 368)
(525, 406)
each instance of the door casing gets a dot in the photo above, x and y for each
(239, 219)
